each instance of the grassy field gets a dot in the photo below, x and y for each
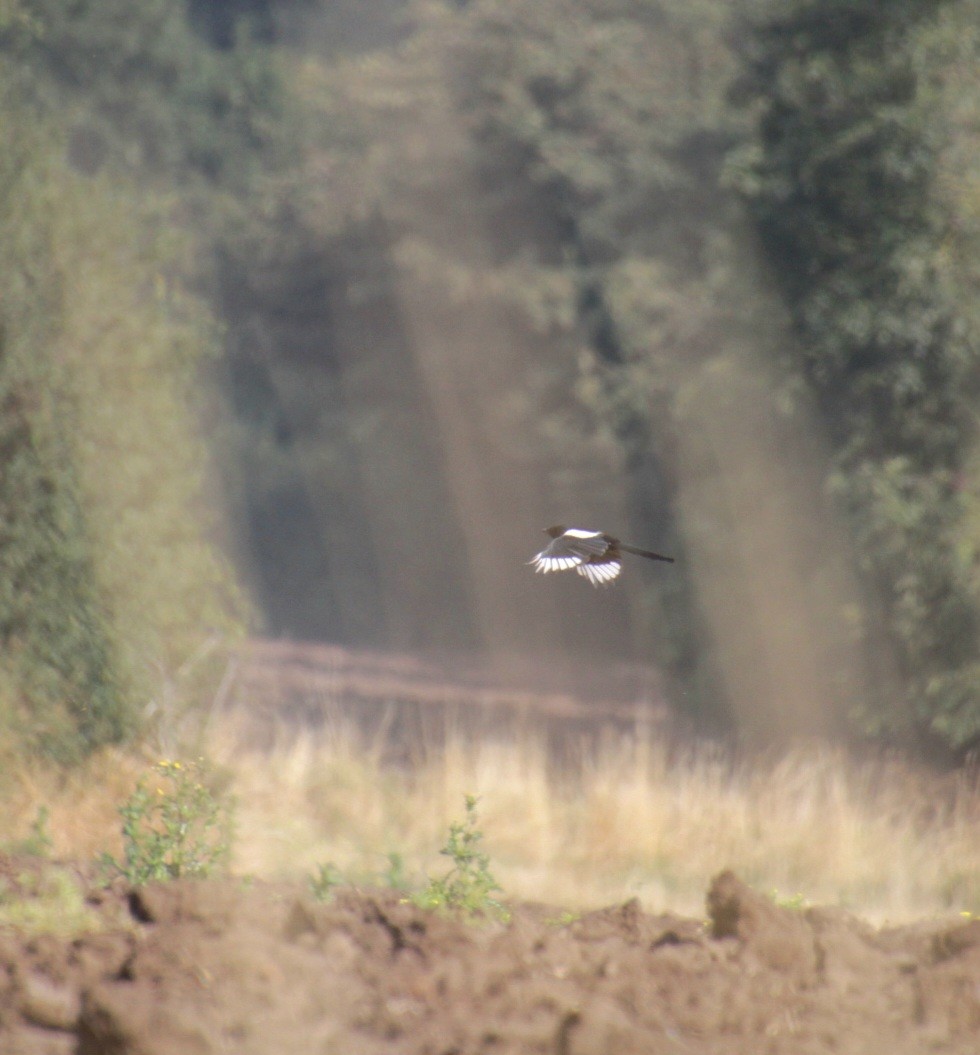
(810, 825)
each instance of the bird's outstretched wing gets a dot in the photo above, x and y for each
(601, 572)
(582, 550)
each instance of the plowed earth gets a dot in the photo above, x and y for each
(195, 968)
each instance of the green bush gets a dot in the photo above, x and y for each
(469, 884)
(175, 826)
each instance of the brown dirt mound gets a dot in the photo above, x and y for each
(195, 968)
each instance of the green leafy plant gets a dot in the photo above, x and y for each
(174, 827)
(469, 885)
(394, 876)
(323, 881)
(37, 843)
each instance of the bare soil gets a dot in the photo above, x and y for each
(195, 968)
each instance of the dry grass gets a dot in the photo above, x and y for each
(81, 804)
(879, 838)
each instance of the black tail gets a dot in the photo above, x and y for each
(645, 553)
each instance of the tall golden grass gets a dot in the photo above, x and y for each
(879, 837)
(80, 804)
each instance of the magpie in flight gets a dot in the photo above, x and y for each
(593, 554)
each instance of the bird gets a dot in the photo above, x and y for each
(595, 555)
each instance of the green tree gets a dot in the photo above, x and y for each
(841, 181)
(141, 90)
(57, 669)
(113, 591)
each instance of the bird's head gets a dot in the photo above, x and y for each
(555, 531)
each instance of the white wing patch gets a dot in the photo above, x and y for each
(600, 574)
(597, 574)
(543, 563)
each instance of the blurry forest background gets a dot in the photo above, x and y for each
(313, 313)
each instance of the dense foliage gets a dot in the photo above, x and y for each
(119, 123)
(842, 182)
(138, 87)
(609, 126)
(57, 660)
(583, 174)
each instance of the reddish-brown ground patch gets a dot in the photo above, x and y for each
(195, 968)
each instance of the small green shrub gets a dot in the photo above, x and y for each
(394, 876)
(37, 843)
(468, 886)
(176, 827)
(322, 883)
